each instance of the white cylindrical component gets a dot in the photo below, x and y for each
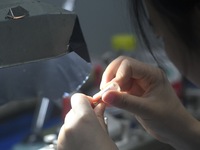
(111, 86)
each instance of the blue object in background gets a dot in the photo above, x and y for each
(14, 130)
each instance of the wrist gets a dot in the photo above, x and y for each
(187, 134)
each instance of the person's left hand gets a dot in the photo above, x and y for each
(84, 127)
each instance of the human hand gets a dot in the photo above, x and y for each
(146, 92)
(84, 127)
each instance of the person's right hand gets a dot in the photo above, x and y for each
(84, 127)
(147, 93)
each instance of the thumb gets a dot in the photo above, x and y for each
(134, 104)
(80, 104)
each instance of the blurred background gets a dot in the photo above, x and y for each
(33, 124)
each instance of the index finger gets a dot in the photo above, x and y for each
(81, 104)
(110, 71)
(125, 70)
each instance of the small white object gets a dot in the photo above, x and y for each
(49, 138)
(112, 86)
(69, 5)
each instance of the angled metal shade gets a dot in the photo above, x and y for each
(53, 62)
(32, 30)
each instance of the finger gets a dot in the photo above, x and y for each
(61, 145)
(110, 71)
(134, 104)
(125, 69)
(81, 104)
(69, 118)
(99, 111)
(132, 68)
(128, 77)
(124, 75)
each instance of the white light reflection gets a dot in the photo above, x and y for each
(69, 5)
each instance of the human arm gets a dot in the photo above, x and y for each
(84, 127)
(146, 92)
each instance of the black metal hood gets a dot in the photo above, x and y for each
(42, 51)
(32, 30)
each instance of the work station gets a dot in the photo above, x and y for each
(52, 49)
